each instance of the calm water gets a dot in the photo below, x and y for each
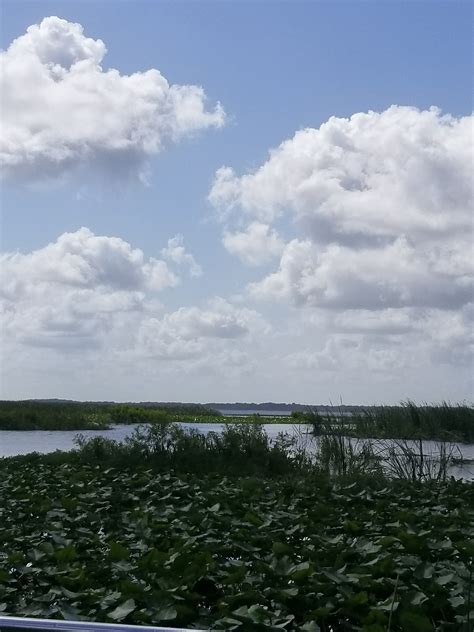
(13, 442)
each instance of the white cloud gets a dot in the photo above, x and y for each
(176, 252)
(80, 316)
(398, 274)
(96, 296)
(61, 109)
(254, 246)
(84, 260)
(382, 203)
(192, 332)
(387, 321)
(389, 341)
(74, 289)
(374, 174)
(380, 257)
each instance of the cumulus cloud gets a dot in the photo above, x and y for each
(176, 252)
(94, 294)
(190, 332)
(382, 203)
(256, 245)
(378, 253)
(61, 109)
(374, 174)
(399, 274)
(71, 291)
(84, 260)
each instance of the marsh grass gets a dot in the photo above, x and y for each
(246, 449)
(443, 422)
(342, 450)
(409, 459)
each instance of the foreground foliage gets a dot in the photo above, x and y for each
(245, 553)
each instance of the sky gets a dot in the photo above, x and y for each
(236, 201)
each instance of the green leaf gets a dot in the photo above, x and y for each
(122, 610)
(442, 580)
(118, 552)
(281, 548)
(359, 599)
(167, 613)
(288, 592)
(300, 571)
(424, 571)
(66, 554)
(418, 598)
(456, 601)
(388, 605)
(415, 622)
(253, 519)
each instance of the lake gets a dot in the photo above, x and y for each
(15, 442)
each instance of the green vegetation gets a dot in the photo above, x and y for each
(57, 415)
(31, 415)
(241, 553)
(444, 422)
(232, 532)
(240, 448)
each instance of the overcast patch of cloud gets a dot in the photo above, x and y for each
(387, 341)
(62, 110)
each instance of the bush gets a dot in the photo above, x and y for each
(241, 449)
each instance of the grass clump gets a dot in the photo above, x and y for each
(443, 421)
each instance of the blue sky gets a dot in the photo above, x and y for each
(276, 68)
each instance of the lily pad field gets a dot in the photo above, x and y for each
(299, 552)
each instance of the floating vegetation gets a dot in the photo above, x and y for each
(296, 552)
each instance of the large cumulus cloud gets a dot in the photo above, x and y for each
(70, 292)
(377, 251)
(61, 109)
(86, 292)
(381, 209)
